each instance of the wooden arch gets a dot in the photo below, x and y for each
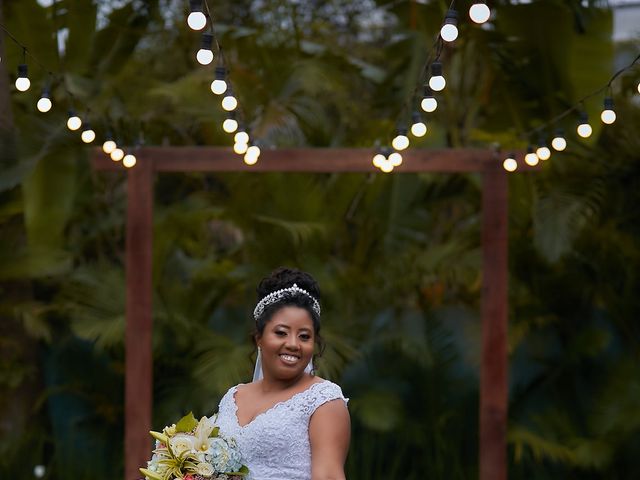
(139, 244)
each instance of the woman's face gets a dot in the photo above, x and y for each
(287, 343)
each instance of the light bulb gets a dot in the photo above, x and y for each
(479, 12)
(429, 103)
(229, 103)
(241, 137)
(117, 154)
(204, 57)
(22, 82)
(108, 146)
(378, 160)
(251, 157)
(418, 128)
(129, 160)
(230, 125)
(219, 85)
(73, 122)
(638, 87)
(44, 104)
(240, 148)
(510, 164)
(543, 152)
(437, 81)
(387, 167)
(88, 135)
(531, 158)
(608, 116)
(401, 141)
(449, 31)
(584, 129)
(559, 143)
(395, 159)
(196, 19)
(205, 54)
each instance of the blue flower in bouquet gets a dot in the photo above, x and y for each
(222, 456)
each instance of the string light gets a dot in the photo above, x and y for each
(559, 143)
(241, 137)
(22, 82)
(395, 159)
(230, 124)
(44, 103)
(429, 103)
(437, 81)
(240, 148)
(117, 154)
(252, 154)
(543, 152)
(196, 19)
(219, 85)
(73, 122)
(109, 145)
(205, 54)
(584, 129)
(88, 135)
(387, 167)
(449, 30)
(418, 128)
(229, 102)
(531, 158)
(510, 164)
(608, 116)
(400, 141)
(479, 12)
(129, 160)
(378, 160)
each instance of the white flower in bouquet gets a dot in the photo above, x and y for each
(181, 444)
(205, 469)
(202, 433)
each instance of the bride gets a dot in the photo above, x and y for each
(289, 423)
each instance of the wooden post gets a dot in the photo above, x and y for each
(493, 370)
(138, 355)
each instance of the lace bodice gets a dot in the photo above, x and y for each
(275, 444)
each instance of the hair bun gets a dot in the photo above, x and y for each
(284, 277)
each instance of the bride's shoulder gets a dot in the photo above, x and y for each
(326, 390)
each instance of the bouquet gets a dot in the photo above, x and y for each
(194, 450)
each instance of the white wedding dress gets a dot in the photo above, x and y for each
(275, 444)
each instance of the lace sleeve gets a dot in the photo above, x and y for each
(325, 392)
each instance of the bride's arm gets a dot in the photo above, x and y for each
(329, 434)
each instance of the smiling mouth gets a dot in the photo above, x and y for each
(289, 358)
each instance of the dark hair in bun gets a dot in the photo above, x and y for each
(284, 277)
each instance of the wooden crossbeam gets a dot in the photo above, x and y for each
(311, 160)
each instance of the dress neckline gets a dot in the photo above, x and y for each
(273, 407)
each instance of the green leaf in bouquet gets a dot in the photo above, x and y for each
(244, 470)
(215, 432)
(149, 474)
(186, 423)
(160, 437)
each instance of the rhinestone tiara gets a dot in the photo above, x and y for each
(281, 294)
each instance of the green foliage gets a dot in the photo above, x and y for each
(398, 257)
